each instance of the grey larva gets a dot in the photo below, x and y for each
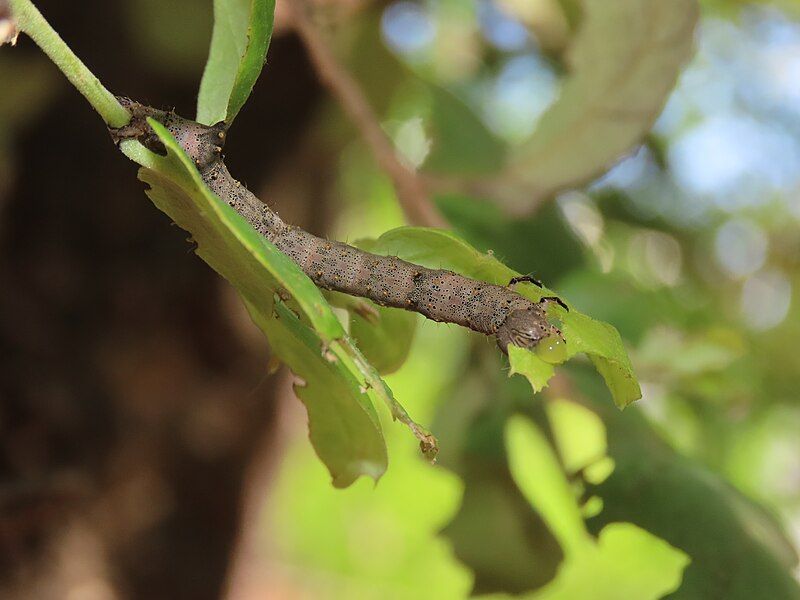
(438, 294)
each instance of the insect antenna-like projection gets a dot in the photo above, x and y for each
(437, 294)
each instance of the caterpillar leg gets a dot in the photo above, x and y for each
(524, 278)
(555, 299)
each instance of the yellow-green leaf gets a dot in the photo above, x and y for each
(624, 562)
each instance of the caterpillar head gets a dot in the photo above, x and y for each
(525, 327)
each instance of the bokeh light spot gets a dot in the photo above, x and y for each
(765, 301)
(408, 27)
(740, 247)
(500, 28)
(524, 89)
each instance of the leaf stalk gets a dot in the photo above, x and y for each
(30, 21)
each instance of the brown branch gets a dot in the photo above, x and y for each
(411, 190)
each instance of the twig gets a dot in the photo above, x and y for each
(411, 190)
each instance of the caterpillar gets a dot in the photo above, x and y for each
(437, 294)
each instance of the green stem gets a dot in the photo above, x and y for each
(31, 21)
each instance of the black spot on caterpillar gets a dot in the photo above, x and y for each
(437, 294)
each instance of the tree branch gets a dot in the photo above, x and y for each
(411, 190)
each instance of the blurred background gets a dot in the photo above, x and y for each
(146, 451)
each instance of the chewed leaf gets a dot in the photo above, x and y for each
(239, 42)
(341, 419)
(338, 391)
(437, 248)
(623, 63)
(525, 362)
(602, 343)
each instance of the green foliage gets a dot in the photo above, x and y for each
(386, 341)
(335, 383)
(342, 422)
(560, 445)
(461, 142)
(624, 562)
(345, 431)
(374, 542)
(623, 63)
(537, 371)
(737, 549)
(384, 335)
(601, 342)
(542, 244)
(471, 426)
(239, 42)
(441, 249)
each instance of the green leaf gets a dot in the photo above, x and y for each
(336, 384)
(471, 426)
(602, 343)
(369, 541)
(624, 562)
(239, 43)
(539, 476)
(623, 63)
(737, 548)
(342, 422)
(387, 342)
(440, 249)
(543, 244)
(580, 436)
(537, 371)
(462, 144)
